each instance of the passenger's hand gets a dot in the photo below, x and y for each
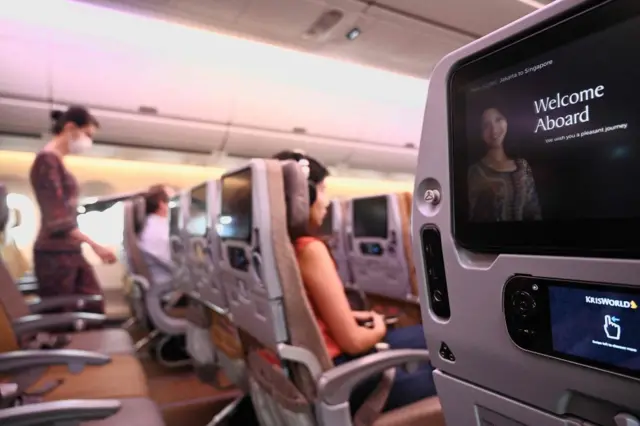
(106, 255)
(379, 325)
(362, 315)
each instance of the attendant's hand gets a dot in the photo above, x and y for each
(106, 255)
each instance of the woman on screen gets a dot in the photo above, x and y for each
(501, 188)
(344, 338)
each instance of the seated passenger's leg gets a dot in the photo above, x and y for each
(409, 387)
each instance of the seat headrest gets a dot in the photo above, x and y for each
(15, 218)
(296, 191)
(139, 213)
(4, 208)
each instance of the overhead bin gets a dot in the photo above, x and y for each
(25, 68)
(478, 17)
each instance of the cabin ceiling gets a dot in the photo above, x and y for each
(406, 36)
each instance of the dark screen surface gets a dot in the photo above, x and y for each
(327, 225)
(545, 138)
(370, 217)
(236, 208)
(197, 221)
(598, 326)
(174, 215)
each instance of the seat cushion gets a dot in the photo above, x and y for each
(427, 412)
(134, 411)
(107, 341)
(123, 377)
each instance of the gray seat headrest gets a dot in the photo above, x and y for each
(297, 198)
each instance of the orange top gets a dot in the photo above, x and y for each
(332, 346)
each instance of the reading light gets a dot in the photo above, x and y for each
(353, 34)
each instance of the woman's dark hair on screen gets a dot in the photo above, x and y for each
(317, 171)
(77, 115)
(478, 146)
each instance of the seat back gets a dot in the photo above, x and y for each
(377, 255)
(178, 209)
(333, 229)
(204, 248)
(266, 293)
(4, 208)
(10, 296)
(148, 296)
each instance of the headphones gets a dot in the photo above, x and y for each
(304, 164)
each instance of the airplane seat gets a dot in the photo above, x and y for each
(333, 234)
(35, 331)
(293, 380)
(151, 301)
(378, 233)
(4, 208)
(47, 387)
(212, 337)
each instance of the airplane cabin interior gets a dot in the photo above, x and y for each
(319, 213)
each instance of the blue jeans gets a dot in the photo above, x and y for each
(407, 387)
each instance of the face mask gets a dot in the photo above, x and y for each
(81, 144)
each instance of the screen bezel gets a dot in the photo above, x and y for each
(587, 237)
(202, 187)
(249, 176)
(544, 340)
(369, 200)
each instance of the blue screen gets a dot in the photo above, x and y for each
(596, 325)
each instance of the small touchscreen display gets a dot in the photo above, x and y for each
(600, 326)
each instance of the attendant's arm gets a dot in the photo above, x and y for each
(326, 291)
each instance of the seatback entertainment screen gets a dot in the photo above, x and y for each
(370, 217)
(236, 211)
(545, 139)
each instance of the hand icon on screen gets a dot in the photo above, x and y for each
(612, 329)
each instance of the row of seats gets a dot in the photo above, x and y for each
(153, 304)
(370, 239)
(236, 262)
(51, 376)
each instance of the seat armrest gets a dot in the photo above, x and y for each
(47, 322)
(74, 359)
(69, 412)
(335, 385)
(78, 302)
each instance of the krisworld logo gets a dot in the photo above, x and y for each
(628, 304)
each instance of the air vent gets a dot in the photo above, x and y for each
(148, 110)
(324, 23)
(299, 130)
(409, 145)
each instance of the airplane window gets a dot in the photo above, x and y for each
(25, 233)
(93, 223)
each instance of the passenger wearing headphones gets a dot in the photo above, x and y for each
(59, 265)
(344, 338)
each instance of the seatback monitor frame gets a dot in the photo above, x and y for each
(481, 373)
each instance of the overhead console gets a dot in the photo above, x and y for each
(527, 220)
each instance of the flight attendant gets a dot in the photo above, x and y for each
(59, 265)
